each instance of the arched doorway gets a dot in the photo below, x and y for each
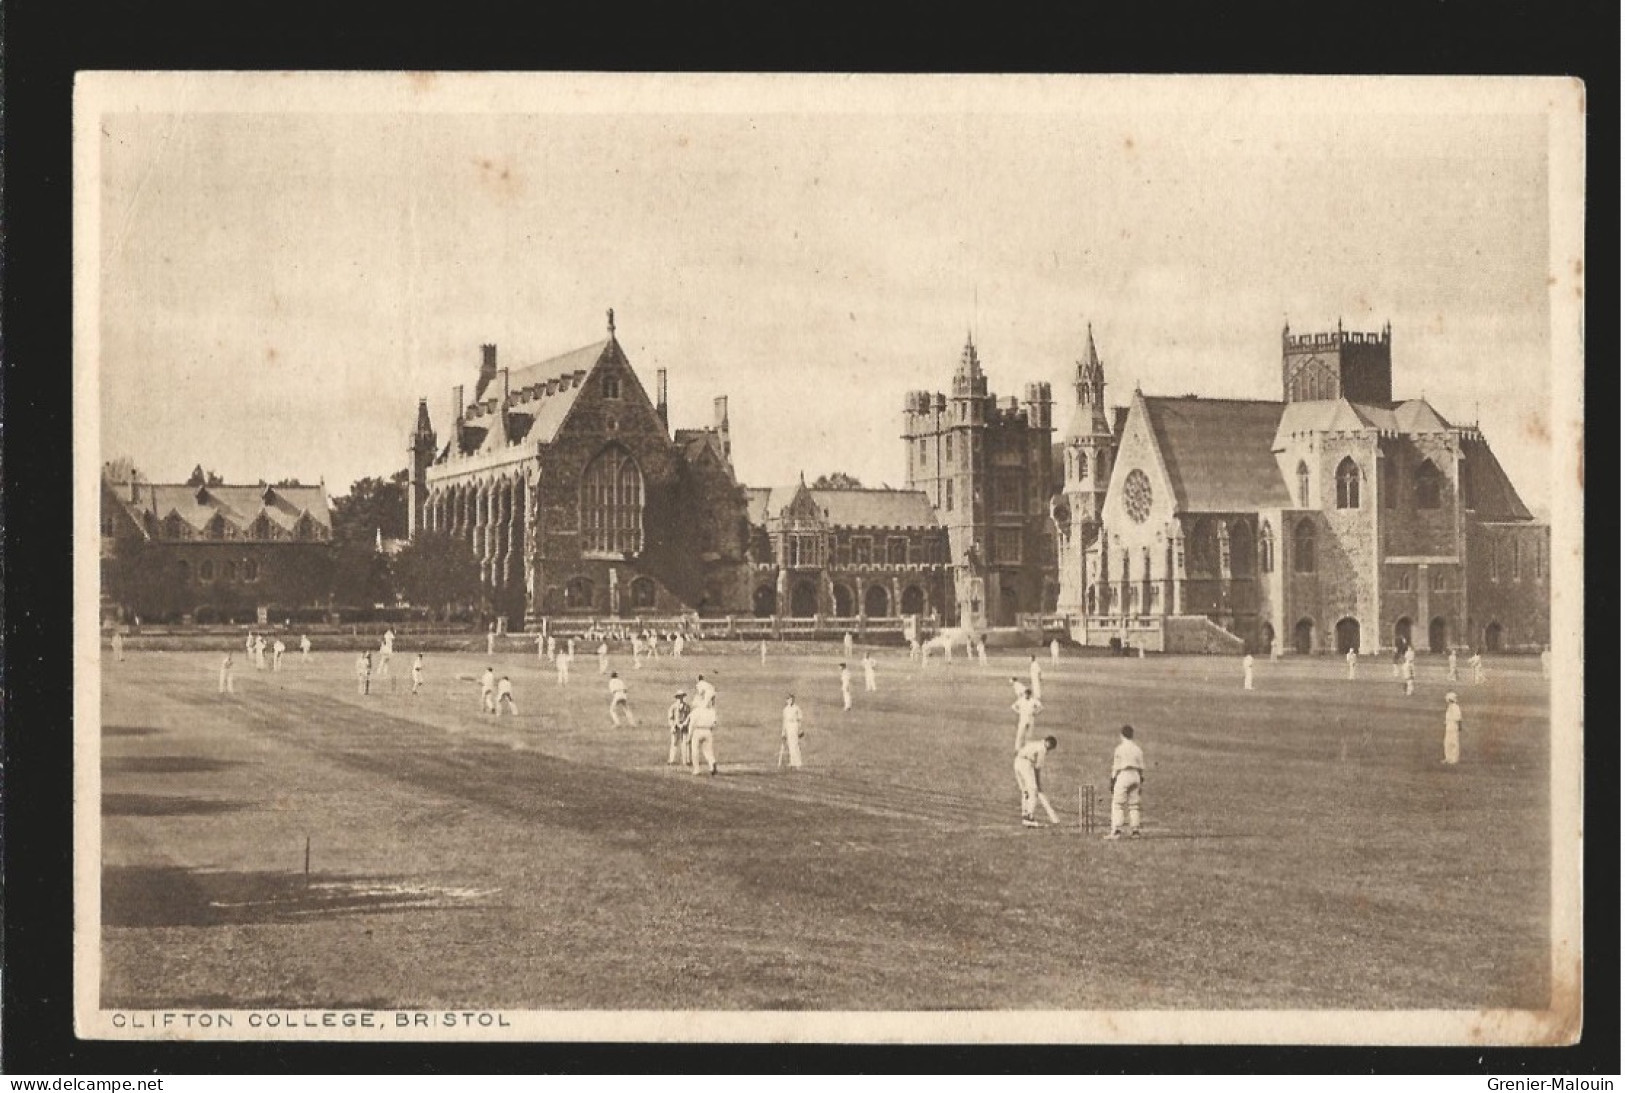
(844, 604)
(913, 600)
(1348, 635)
(1266, 637)
(876, 601)
(1438, 635)
(1402, 633)
(764, 601)
(578, 594)
(1492, 638)
(1303, 635)
(804, 600)
(1008, 605)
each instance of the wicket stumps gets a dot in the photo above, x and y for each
(1086, 808)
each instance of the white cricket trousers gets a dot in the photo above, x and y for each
(1126, 797)
(1027, 779)
(792, 747)
(699, 741)
(1452, 744)
(618, 707)
(679, 747)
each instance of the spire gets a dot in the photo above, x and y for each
(423, 428)
(610, 314)
(1089, 419)
(969, 365)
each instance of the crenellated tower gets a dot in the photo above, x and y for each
(1340, 364)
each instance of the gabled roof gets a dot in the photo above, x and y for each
(861, 508)
(1341, 415)
(1494, 497)
(237, 506)
(694, 442)
(1218, 452)
(534, 413)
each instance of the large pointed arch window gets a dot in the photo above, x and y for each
(1266, 549)
(1303, 484)
(612, 504)
(1429, 485)
(1303, 547)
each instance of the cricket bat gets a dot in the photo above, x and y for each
(1043, 800)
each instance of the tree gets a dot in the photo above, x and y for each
(359, 575)
(201, 477)
(839, 480)
(287, 482)
(437, 571)
(372, 505)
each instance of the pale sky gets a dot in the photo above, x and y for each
(279, 286)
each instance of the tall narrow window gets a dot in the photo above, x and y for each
(1303, 547)
(1517, 561)
(1266, 549)
(612, 504)
(1428, 485)
(950, 495)
(1303, 484)
(948, 448)
(1348, 485)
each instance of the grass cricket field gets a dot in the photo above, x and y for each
(1304, 846)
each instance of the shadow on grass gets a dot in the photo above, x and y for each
(165, 764)
(155, 896)
(145, 804)
(130, 730)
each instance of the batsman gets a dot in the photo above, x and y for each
(1030, 777)
(677, 718)
(1128, 774)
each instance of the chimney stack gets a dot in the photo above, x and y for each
(720, 409)
(660, 398)
(488, 369)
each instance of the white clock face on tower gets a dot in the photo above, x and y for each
(1137, 496)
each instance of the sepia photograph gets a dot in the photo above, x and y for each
(828, 559)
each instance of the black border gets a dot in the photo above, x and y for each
(46, 42)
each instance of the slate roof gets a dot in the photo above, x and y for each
(1218, 453)
(1341, 415)
(238, 506)
(534, 414)
(871, 508)
(1494, 497)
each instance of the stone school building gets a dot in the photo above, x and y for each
(1334, 518)
(578, 498)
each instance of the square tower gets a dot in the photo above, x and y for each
(1338, 365)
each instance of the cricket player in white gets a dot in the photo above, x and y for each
(677, 718)
(363, 674)
(1450, 673)
(1030, 776)
(792, 732)
(618, 703)
(869, 673)
(491, 640)
(488, 687)
(981, 652)
(1128, 775)
(1055, 651)
(248, 645)
(562, 663)
(541, 646)
(1452, 730)
(304, 646)
(846, 687)
(1035, 672)
(505, 698)
(846, 644)
(1352, 659)
(552, 647)
(417, 674)
(259, 653)
(1027, 708)
(603, 658)
(1476, 663)
(1408, 674)
(1247, 672)
(701, 721)
(118, 646)
(226, 685)
(276, 655)
(764, 652)
(389, 640)
(913, 648)
(1019, 687)
(677, 646)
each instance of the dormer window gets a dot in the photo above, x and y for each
(612, 385)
